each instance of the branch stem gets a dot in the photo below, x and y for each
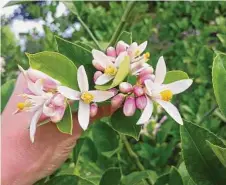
(208, 113)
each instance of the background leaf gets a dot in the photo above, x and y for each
(111, 176)
(187, 180)
(126, 37)
(172, 76)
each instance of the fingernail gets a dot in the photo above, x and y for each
(138, 90)
(96, 75)
(93, 109)
(117, 100)
(111, 52)
(141, 102)
(129, 107)
(125, 87)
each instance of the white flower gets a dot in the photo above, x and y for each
(85, 96)
(108, 66)
(162, 93)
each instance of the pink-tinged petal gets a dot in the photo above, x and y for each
(146, 114)
(69, 93)
(97, 65)
(103, 79)
(120, 58)
(144, 78)
(114, 90)
(141, 102)
(111, 52)
(138, 90)
(179, 86)
(117, 100)
(132, 49)
(33, 124)
(125, 87)
(36, 88)
(149, 86)
(129, 107)
(48, 110)
(96, 75)
(121, 47)
(171, 110)
(83, 114)
(160, 71)
(147, 70)
(82, 79)
(93, 109)
(58, 100)
(138, 67)
(101, 58)
(143, 46)
(99, 96)
(27, 91)
(59, 113)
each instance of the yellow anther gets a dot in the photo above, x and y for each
(166, 95)
(87, 97)
(147, 55)
(110, 70)
(137, 52)
(21, 105)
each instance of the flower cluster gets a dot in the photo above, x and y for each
(47, 98)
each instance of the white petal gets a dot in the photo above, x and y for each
(83, 114)
(100, 96)
(147, 112)
(103, 79)
(33, 124)
(138, 67)
(101, 58)
(48, 111)
(160, 71)
(143, 46)
(120, 58)
(132, 48)
(82, 79)
(179, 86)
(69, 93)
(171, 110)
(149, 86)
(37, 87)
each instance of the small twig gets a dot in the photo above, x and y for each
(124, 18)
(133, 155)
(208, 113)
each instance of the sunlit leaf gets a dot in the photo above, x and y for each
(172, 76)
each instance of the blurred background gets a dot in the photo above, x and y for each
(185, 33)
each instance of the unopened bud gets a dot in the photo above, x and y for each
(93, 109)
(111, 52)
(58, 100)
(145, 77)
(117, 100)
(125, 87)
(141, 102)
(148, 70)
(129, 107)
(97, 65)
(120, 47)
(96, 75)
(138, 90)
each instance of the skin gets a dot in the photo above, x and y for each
(23, 162)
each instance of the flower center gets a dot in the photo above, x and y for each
(147, 55)
(87, 97)
(110, 70)
(166, 95)
(137, 52)
(22, 105)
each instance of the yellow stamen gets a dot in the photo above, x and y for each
(21, 105)
(137, 52)
(87, 97)
(166, 95)
(110, 70)
(147, 55)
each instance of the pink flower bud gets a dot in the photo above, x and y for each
(145, 77)
(129, 107)
(97, 65)
(120, 47)
(148, 70)
(59, 113)
(93, 109)
(138, 90)
(117, 100)
(141, 102)
(58, 100)
(111, 52)
(96, 75)
(114, 90)
(125, 87)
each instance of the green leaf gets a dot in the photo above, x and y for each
(136, 177)
(132, 79)
(219, 80)
(122, 73)
(222, 38)
(126, 125)
(105, 139)
(172, 76)
(202, 164)
(66, 124)
(219, 152)
(162, 180)
(126, 37)
(187, 180)
(75, 52)
(55, 65)
(6, 92)
(111, 176)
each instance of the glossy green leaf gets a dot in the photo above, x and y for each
(111, 176)
(138, 177)
(6, 92)
(126, 124)
(202, 164)
(122, 73)
(187, 180)
(220, 152)
(222, 38)
(75, 52)
(126, 37)
(66, 124)
(219, 80)
(55, 65)
(105, 139)
(172, 76)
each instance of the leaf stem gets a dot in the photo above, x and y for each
(133, 155)
(124, 18)
(208, 113)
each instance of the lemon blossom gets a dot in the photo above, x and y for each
(162, 93)
(85, 96)
(106, 64)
